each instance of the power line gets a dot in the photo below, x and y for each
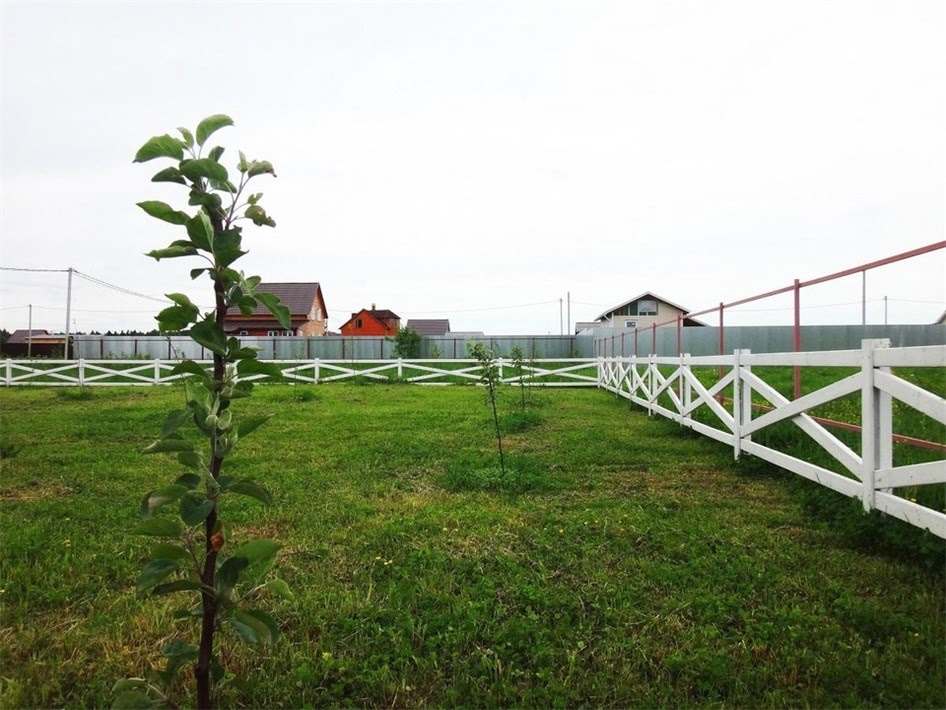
(13, 268)
(120, 289)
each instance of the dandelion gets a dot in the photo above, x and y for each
(326, 655)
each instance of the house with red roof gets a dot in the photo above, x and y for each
(373, 321)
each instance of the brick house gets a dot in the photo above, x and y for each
(372, 322)
(308, 315)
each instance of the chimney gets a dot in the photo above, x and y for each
(372, 307)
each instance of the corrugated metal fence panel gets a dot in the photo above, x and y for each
(696, 341)
(764, 339)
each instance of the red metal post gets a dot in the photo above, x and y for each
(796, 338)
(679, 334)
(635, 342)
(622, 344)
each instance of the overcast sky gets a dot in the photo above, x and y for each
(477, 161)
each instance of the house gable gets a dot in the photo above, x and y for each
(307, 312)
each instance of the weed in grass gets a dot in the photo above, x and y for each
(75, 394)
(8, 450)
(520, 420)
(305, 394)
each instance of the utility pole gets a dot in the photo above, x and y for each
(68, 313)
(29, 335)
(561, 328)
(885, 310)
(568, 321)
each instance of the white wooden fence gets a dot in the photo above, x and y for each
(559, 372)
(670, 387)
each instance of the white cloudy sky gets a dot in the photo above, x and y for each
(461, 159)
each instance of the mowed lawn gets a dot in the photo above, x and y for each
(635, 565)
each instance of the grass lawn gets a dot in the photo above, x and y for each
(631, 562)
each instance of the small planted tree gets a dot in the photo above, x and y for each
(518, 363)
(196, 554)
(489, 377)
(407, 343)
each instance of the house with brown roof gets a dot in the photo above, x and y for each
(429, 326)
(38, 342)
(307, 312)
(372, 321)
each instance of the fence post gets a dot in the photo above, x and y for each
(871, 445)
(745, 396)
(400, 367)
(651, 380)
(157, 371)
(8, 378)
(81, 371)
(796, 339)
(501, 369)
(737, 404)
(317, 371)
(687, 396)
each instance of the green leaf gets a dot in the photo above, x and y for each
(193, 460)
(188, 137)
(258, 216)
(168, 551)
(188, 480)
(248, 629)
(133, 700)
(200, 230)
(210, 201)
(195, 507)
(175, 318)
(171, 174)
(172, 252)
(162, 446)
(250, 424)
(173, 421)
(279, 587)
(229, 573)
(154, 572)
(249, 487)
(226, 247)
(197, 272)
(264, 618)
(162, 496)
(164, 211)
(280, 312)
(256, 550)
(179, 585)
(210, 125)
(215, 153)
(260, 167)
(210, 335)
(203, 168)
(180, 649)
(129, 684)
(160, 147)
(159, 527)
(258, 367)
(253, 627)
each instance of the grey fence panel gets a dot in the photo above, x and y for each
(762, 339)
(602, 341)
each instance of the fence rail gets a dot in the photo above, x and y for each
(670, 387)
(558, 372)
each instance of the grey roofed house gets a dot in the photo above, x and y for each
(429, 326)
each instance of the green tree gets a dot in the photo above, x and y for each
(196, 554)
(489, 377)
(407, 343)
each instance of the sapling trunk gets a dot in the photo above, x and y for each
(213, 235)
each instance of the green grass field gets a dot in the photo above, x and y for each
(629, 563)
